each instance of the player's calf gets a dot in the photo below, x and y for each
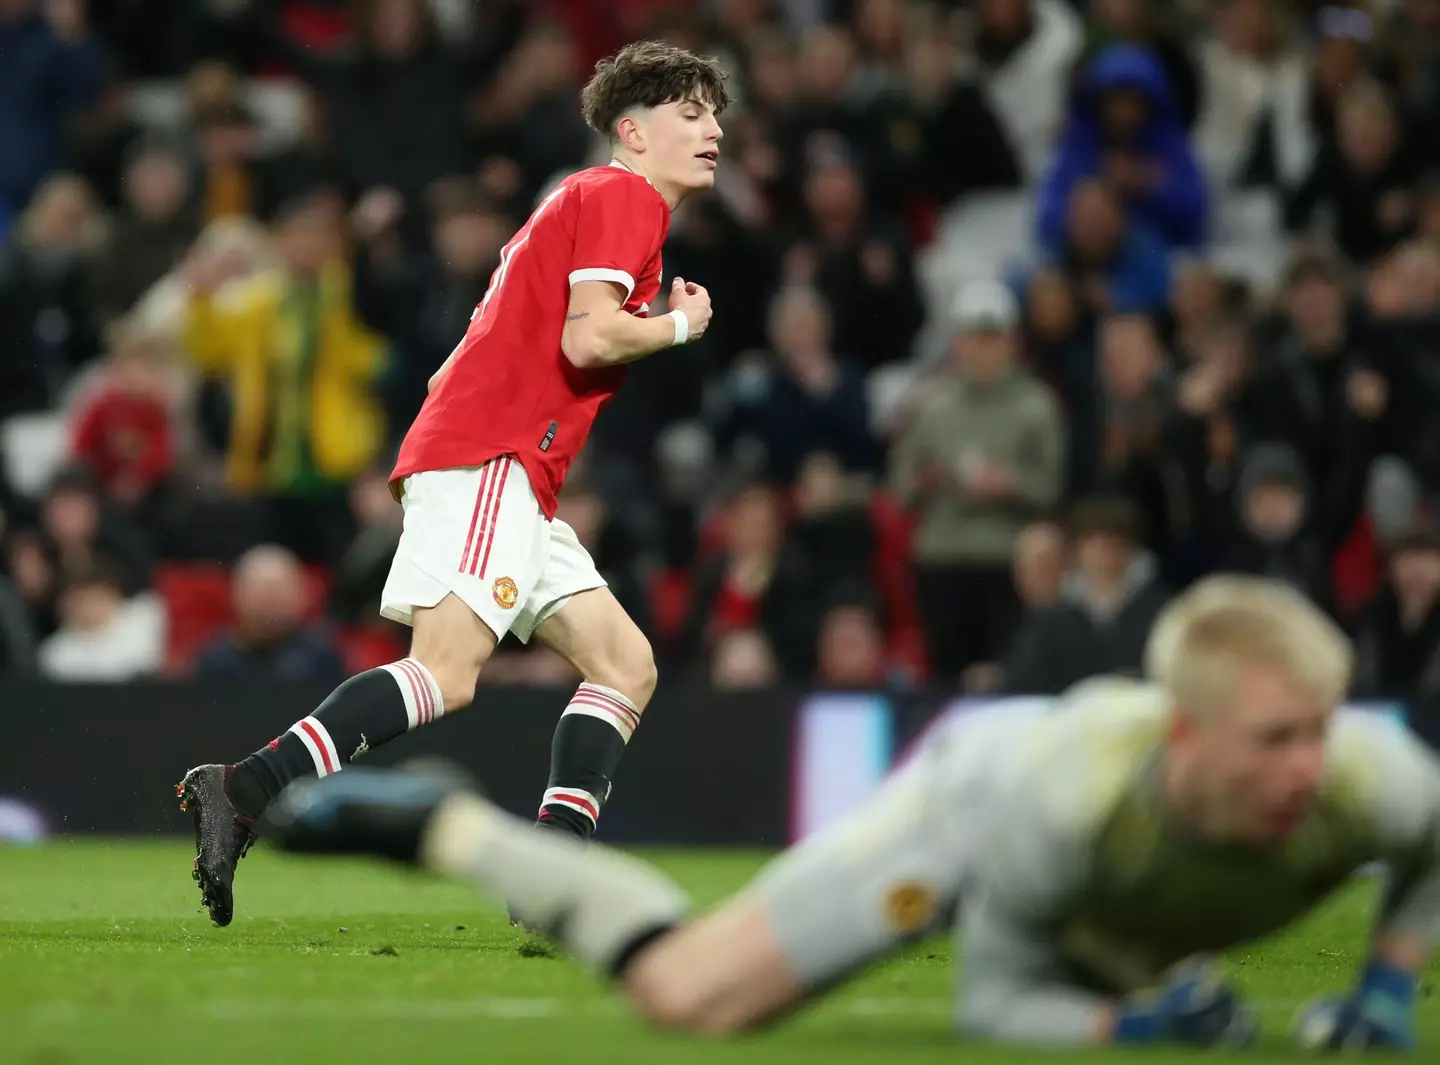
(596, 636)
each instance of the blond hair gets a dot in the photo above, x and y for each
(1206, 637)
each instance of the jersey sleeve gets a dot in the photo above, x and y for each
(621, 225)
(1400, 778)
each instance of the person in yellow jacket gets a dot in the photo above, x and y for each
(303, 368)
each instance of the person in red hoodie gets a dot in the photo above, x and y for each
(124, 430)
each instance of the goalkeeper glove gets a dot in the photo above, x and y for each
(1376, 1015)
(1195, 1007)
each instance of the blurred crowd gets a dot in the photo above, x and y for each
(237, 237)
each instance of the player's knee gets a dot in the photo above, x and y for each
(629, 669)
(455, 674)
(683, 1004)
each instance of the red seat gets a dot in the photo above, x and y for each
(197, 605)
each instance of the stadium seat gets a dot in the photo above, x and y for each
(197, 604)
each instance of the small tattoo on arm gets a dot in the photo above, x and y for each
(577, 317)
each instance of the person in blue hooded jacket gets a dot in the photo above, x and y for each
(1125, 128)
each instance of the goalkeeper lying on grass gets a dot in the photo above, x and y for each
(1093, 857)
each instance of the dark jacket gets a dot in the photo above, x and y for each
(1392, 662)
(1300, 559)
(1072, 640)
(305, 656)
(1177, 209)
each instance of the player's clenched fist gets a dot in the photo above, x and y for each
(693, 301)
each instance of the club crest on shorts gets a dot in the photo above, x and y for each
(505, 592)
(910, 907)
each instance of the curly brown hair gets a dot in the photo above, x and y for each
(647, 74)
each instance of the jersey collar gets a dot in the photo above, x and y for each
(622, 166)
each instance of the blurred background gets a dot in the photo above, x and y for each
(1028, 313)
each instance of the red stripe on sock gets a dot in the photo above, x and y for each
(494, 517)
(319, 743)
(403, 667)
(427, 692)
(580, 801)
(620, 704)
(474, 519)
(630, 717)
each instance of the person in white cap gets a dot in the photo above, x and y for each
(984, 455)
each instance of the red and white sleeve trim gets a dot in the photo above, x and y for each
(419, 689)
(316, 738)
(607, 704)
(574, 799)
(602, 273)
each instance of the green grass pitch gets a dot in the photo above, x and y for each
(105, 958)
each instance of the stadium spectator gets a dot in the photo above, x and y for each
(1113, 264)
(1147, 24)
(1253, 128)
(54, 68)
(1365, 181)
(1275, 539)
(807, 398)
(103, 635)
(423, 302)
(271, 639)
(394, 103)
(1025, 50)
(81, 530)
(227, 141)
(984, 454)
(124, 429)
(1398, 640)
(1200, 301)
(302, 371)
(946, 140)
(1039, 564)
(1108, 604)
(152, 230)
(525, 125)
(862, 265)
(754, 583)
(49, 325)
(831, 526)
(1122, 444)
(1320, 393)
(851, 650)
(1124, 130)
(743, 661)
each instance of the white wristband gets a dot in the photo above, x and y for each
(682, 326)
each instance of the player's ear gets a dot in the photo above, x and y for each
(630, 132)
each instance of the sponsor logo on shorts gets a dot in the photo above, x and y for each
(505, 592)
(910, 907)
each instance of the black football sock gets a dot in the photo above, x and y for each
(369, 709)
(589, 741)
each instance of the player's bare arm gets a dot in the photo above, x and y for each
(600, 332)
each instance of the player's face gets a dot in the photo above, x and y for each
(1262, 757)
(683, 146)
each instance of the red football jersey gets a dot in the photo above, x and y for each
(511, 390)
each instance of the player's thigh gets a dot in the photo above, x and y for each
(474, 543)
(578, 618)
(724, 972)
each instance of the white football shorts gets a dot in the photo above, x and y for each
(478, 532)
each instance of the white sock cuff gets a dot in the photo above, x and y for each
(419, 689)
(316, 738)
(607, 704)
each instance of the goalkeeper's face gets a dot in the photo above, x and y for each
(1255, 763)
(682, 145)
